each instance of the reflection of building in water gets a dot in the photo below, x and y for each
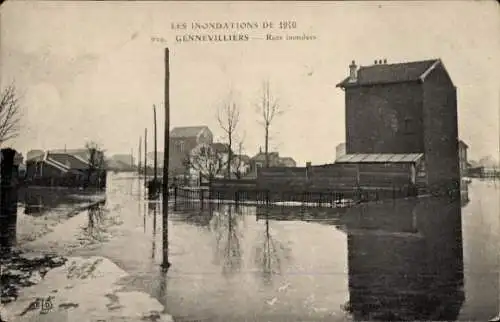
(38, 200)
(464, 193)
(405, 261)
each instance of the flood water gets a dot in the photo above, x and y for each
(426, 259)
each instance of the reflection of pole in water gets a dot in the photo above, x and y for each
(154, 232)
(162, 285)
(144, 212)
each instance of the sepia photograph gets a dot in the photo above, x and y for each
(271, 161)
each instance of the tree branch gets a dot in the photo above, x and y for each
(9, 114)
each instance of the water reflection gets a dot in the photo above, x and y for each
(39, 200)
(405, 260)
(225, 225)
(153, 210)
(270, 253)
(95, 215)
(464, 193)
(195, 213)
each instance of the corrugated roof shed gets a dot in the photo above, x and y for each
(391, 73)
(379, 158)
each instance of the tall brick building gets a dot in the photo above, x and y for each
(401, 109)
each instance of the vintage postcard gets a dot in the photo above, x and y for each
(249, 161)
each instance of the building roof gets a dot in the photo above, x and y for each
(244, 158)
(392, 73)
(379, 158)
(287, 159)
(81, 154)
(220, 147)
(261, 156)
(187, 131)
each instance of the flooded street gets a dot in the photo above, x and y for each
(427, 260)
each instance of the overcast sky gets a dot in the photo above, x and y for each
(90, 71)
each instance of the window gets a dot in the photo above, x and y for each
(180, 146)
(409, 126)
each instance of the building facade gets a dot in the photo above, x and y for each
(182, 141)
(404, 108)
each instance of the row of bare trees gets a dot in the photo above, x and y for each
(210, 163)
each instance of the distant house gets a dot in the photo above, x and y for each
(287, 162)
(259, 161)
(404, 108)
(182, 141)
(211, 160)
(121, 162)
(242, 165)
(462, 157)
(33, 154)
(66, 167)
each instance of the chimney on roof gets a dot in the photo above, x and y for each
(353, 72)
(260, 149)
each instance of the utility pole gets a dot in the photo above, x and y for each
(139, 157)
(156, 150)
(166, 263)
(132, 159)
(145, 155)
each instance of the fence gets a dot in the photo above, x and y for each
(238, 193)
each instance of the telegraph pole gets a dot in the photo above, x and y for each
(156, 150)
(132, 165)
(166, 263)
(139, 157)
(145, 156)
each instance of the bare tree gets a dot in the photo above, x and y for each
(96, 161)
(268, 109)
(9, 114)
(228, 116)
(205, 160)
